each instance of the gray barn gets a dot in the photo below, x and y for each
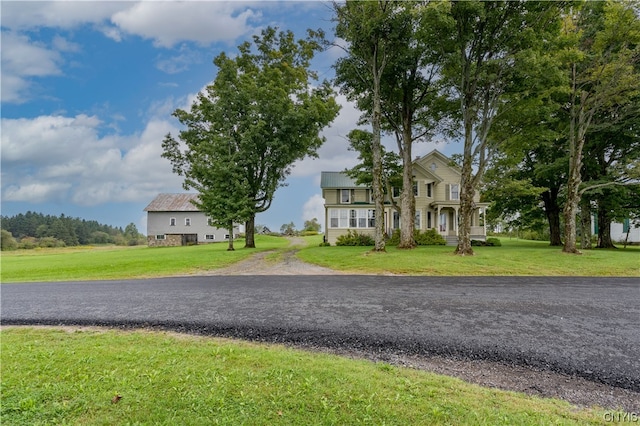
(173, 220)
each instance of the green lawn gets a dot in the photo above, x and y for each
(515, 257)
(52, 376)
(114, 262)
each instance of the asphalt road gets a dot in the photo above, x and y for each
(589, 327)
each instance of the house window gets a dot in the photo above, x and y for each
(429, 190)
(187, 221)
(362, 218)
(172, 221)
(353, 218)
(333, 218)
(396, 220)
(210, 237)
(455, 191)
(371, 218)
(344, 219)
(226, 236)
(415, 189)
(161, 237)
(210, 222)
(395, 192)
(429, 224)
(418, 219)
(345, 196)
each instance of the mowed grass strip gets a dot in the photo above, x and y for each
(74, 377)
(513, 258)
(102, 263)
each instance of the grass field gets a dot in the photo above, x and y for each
(115, 262)
(52, 376)
(515, 257)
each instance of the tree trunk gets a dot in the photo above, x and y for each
(585, 224)
(230, 236)
(407, 198)
(467, 191)
(604, 228)
(376, 149)
(577, 129)
(464, 226)
(250, 228)
(552, 211)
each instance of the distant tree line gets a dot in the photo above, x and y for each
(31, 230)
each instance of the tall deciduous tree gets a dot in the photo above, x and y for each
(600, 62)
(487, 38)
(245, 132)
(366, 26)
(412, 100)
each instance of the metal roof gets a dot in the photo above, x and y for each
(173, 203)
(337, 180)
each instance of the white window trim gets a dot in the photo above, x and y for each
(213, 237)
(417, 221)
(161, 237)
(451, 192)
(351, 218)
(348, 191)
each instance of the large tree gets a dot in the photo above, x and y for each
(368, 28)
(488, 39)
(603, 48)
(260, 115)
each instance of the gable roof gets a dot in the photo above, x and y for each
(173, 203)
(338, 180)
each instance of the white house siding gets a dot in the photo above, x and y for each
(619, 233)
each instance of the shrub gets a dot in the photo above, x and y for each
(430, 237)
(28, 243)
(490, 242)
(307, 233)
(325, 244)
(353, 238)
(495, 242)
(50, 242)
(7, 241)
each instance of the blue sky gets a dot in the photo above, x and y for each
(88, 89)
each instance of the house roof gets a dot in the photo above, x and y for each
(173, 203)
(337, 180)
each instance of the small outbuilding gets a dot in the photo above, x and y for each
(173, 220)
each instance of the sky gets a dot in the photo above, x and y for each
(88, 89)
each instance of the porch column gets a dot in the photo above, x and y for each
(436, 220)
(455, 219)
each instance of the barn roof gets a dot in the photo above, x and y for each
(173, 203)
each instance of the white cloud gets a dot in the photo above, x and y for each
(65, 159)
(21, 15)
(21, 60)
(334, 154)
(314, 207)
(202, 22)
(35, 192)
